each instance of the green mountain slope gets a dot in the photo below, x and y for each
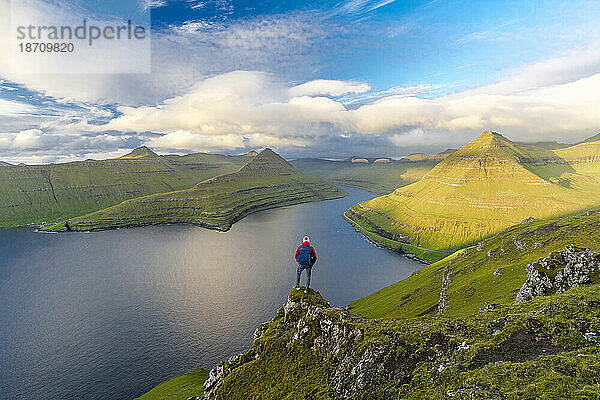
(181, 387)
(490, 272)
(488, 185)
(37, 193)
(267, 181)
(543, 349)
(375, 177)
(552, 145)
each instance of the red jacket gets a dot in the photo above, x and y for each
(313, 254)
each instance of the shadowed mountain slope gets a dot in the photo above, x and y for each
(376, 177)
(267, 181)
(37, 193)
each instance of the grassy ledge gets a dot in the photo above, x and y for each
(490, 272)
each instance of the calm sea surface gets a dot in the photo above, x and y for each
(109, 315)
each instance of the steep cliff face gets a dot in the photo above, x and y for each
(310, 350)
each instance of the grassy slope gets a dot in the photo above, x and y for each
(37, 193)
(486, 186)
(265, 182)
(532, 351)
(377, 178)
(491, 272)
(180, 387)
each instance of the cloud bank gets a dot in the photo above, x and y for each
(557, 99)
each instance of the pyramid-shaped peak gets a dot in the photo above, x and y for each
(140, 152)
(488, 139)
(490, 134)
(268, 160)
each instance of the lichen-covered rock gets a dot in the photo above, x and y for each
(557, 272)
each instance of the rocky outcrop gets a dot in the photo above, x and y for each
(336, 338)
(446, 280)
(557, 272)
(313, 351)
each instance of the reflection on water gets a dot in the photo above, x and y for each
(108, 315)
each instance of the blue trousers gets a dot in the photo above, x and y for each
(299, 272)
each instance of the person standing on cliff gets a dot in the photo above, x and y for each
(306, 257)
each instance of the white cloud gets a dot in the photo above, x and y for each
(358, 8)
(9, 107)
(182, 55)
(535, 103)
(28, 139)
(187, 140)
(148, 4)
(324, 87)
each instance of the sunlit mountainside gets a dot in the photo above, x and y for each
(488, 185)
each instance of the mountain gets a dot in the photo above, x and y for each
(487, 185)
(267, 181)
(37, 193)
(444, 154)
(140, 152)
(594, 138)
(417, 157)
(379, 177)
(5, 164)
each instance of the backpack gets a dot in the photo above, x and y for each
(304, 256)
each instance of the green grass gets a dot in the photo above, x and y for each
(267, 181)
(486, 186)
(38, 193)
(421, 253)
(180, 387)
(491, 271)
(535, 350)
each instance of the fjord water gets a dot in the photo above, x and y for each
(108, 315)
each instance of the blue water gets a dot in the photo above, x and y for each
(108, 315)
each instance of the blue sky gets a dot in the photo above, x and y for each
(317, 78)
